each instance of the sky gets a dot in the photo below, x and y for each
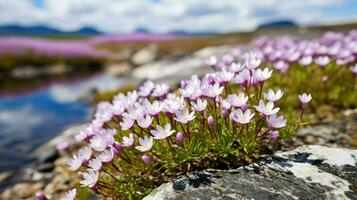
(162, 16)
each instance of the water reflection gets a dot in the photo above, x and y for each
(31, 119)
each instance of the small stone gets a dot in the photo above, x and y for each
(309, 139)
(4, 176)
(48, 156)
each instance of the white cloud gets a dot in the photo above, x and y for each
(120, 16)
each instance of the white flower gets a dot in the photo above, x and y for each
(276, 122)
(70, 195)
(236, 67)
(85, 153)
(146, 144)
(240, 117)
(127, 123)
(212, 90)
(128, 141)
(90, 178)
(160, 90)
(106, 156)
(152, 108)
(224, 76)
(252, 60)
(272, 96)
(95, 164)
(237, 100)
(183, 116)
(98, 143)
(145, 121)
(162, 133)
(266, 109)
(75, 163)
(200, 105)
(305, 98)
(353, 69)
(262, 75)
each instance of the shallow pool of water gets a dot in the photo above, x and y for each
(30, 119)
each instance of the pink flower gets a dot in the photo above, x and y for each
(200, 106)
(243, 78)
(224, 76)
(41, 196)
(147, 159)
(146, 88)
(70, 195)
(101, 141)
(242, 118)
(106, 156)
(145, 121)
(237, 100)
(127, 123)
(236, 67)
(252, 60)
(210, 121)
(305, 99)
(212, 90)
(145, 144)
(272, 96)
(353, 69)
(183, 116)
(322, 60)
(179, 137)
(274, 134)
(95, 164)
(90, 178)
(262, 75)
(266, 109)
(161, 90)
(152, 108)
(128, 141)
(281, 66)
(75, 163)
(85, 153)
(162, 133)
(276, 122)
(305, 61)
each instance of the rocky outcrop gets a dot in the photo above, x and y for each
(308, 172)
(172, 70)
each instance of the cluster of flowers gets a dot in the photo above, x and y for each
(229, 103)
(20, 46)
(331, 47)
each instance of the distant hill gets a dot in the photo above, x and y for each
(44, 30)
(277, 24)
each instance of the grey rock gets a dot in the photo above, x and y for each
(145, 55)
(173, 70)
(308, 172)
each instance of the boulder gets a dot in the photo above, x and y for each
(307, 172)
(145, 55)
(173, 70)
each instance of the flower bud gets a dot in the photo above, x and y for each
(41, 196)
(224, 112)
(117, 147)
(179, 137)
(146, 158)
(210, 121)
(274, 135)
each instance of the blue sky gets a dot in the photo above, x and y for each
(160, 16)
